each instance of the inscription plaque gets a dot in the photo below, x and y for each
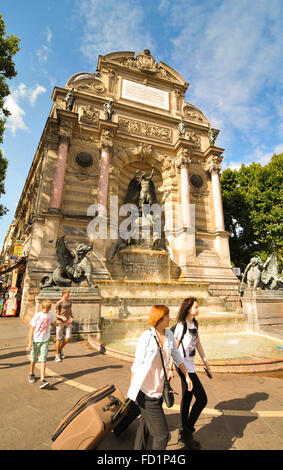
(145, 94)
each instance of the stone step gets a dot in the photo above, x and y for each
(271, 321)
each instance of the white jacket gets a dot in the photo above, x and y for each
(145, 353)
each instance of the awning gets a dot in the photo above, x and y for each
(16, 265)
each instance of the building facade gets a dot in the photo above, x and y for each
(130, 116)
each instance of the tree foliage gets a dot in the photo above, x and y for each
(9, 46)
(252, 203)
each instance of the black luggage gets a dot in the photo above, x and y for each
(128, 412)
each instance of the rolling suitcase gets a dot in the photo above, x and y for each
(128, 412)
(89, 421)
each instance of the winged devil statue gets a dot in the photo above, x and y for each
(73, 266)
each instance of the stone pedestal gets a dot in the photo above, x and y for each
(263, 309)
(86, 307)
(145, 264)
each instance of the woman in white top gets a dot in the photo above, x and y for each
(188, 340)
(147, 383)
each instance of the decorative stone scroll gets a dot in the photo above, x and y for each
(192, 113)
(143, 128)
(91, 86)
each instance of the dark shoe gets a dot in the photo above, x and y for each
(31, 378)
(61, 354)
(181, 440)
(191, 443)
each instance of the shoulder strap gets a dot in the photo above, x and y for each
(182, 337)
(165, 375)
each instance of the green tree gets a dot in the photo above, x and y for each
(9, 46)
(252, 203)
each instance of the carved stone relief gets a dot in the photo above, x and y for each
(144, 128)
(194, 138)
(145, 62)
(88, 115)
(91, 86)
(192, 113)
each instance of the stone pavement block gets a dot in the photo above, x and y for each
(275, 425)
(248, 441)
(31, 415)
(270, 442)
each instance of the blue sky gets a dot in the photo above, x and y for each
(229, 51)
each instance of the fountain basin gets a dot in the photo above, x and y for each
(230, 351)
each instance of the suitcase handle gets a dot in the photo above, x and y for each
(113, 401)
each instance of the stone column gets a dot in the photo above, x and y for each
(66, 120)
(182, 163)
(213, 167)
(106, 144)
(59, 177)
(184, 243)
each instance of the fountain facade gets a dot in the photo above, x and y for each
(129, 139)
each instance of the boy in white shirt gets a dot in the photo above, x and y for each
(39, 340)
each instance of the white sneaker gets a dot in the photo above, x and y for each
(58, 359)
(43, 384)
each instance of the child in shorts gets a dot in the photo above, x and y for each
(39, 340)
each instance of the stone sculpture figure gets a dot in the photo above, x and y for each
(182, 129)
(73, 266)
(211, 137)
(141, 189)
(253, 272)
(264, 276)
(70, 100)
(108, 111)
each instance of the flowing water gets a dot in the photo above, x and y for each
(218, 346)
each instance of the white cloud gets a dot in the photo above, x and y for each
(231, 53)
(112, 26)
(48, 35)
(15, 121)
(33, 94)
(45, 50)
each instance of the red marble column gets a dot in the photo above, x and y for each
(59, 177)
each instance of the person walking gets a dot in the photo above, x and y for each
(188, 341)
(39, 340)
(63, 312)
(147, 381)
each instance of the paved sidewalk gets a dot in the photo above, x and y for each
(244, 412)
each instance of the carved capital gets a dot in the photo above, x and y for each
(106, 139)
(183, 159)
(213, 164)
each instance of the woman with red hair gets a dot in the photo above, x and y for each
(147, 383)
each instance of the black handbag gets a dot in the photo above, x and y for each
(168, 392)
